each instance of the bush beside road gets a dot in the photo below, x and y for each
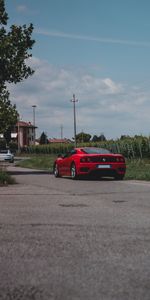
(5, 178)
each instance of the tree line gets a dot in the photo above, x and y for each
(15, 46)
(81, 137)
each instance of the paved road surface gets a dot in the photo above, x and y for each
(74, 240)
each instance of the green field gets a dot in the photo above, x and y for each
(138, 169)
(41, 162)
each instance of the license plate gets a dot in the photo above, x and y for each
(103, 166)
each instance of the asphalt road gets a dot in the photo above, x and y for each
(74, 240)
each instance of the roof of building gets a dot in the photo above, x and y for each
(55, 140)
(25, 124)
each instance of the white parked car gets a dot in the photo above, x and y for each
(6, 155)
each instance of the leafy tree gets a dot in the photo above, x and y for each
(95, 138)
(7, 135)
(123, 137)
(14, 47)
(43, 139)
(2, 143)
(83, 137)
(8, 113)
(102, 137)
(99, 138)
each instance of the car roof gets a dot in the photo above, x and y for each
(92, 150)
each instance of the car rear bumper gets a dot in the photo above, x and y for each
(103, 170)
(7, 159)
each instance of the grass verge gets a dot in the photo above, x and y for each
(40, 162)
(138, 169)
(6, 178)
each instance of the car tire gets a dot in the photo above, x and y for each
(56, 171)
(119, 177)
(73, 171)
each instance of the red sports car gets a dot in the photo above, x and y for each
(90, 161)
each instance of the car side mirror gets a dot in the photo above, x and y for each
(60, 155)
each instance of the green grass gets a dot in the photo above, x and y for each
(41, 162)
(138, 169)
(5, 178)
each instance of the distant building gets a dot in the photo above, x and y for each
(63, 141)
(24, 134)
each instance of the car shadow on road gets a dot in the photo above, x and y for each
(91, 178)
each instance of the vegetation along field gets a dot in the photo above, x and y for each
(5, 177)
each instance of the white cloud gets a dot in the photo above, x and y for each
(21, 8)
(60, 34)
(26, 10)
(104, 105)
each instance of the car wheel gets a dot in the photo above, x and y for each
(73, 171)
(119, 177)
(56, 171)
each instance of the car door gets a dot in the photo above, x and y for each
(66, 163)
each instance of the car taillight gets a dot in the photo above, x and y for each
(85, 159)
(120, 159)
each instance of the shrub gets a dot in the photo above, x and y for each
(5, 178)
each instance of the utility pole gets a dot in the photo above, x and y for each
(34, 106)
(74, 100)
(61, 131)
(18, 134)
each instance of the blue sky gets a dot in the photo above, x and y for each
(97, 49)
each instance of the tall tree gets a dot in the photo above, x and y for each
(43, 139)
(14, 52)
(83, 137)
(8, 113)
(99, 138)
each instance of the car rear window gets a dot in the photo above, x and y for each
(95, 150)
